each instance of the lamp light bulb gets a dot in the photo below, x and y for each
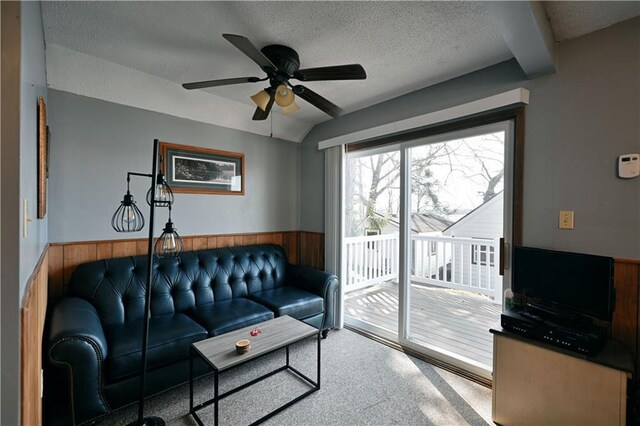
(129, 215)
(169, 243)
(161, 192)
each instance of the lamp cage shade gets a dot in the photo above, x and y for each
(127, 217)
(169, 244)
(163, 193)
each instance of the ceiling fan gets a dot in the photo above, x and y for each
(281, 63)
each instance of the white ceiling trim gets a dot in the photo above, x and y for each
(75, 72)
(512, 97)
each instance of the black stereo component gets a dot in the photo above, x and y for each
(587, 339)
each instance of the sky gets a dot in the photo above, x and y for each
(461, 173)
(459, 167)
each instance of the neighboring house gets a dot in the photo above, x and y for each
(485, 221)
(466, 262)
(421, 223)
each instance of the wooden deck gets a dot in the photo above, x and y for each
(453, 320)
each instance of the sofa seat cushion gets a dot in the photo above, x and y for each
(290, 301)
(222, 317)
(170, 337)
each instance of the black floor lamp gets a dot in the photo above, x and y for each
(129, 218)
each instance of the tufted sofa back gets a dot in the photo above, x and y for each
(116, 287)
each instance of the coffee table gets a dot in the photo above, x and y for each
(220, 354)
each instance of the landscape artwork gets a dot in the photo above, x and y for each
(192, 169)
(196, 170)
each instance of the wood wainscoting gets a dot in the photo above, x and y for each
(304, 248)
(625, 327)
(32, 318)
(311, 249)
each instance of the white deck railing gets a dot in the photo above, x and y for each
(460, 263)
(371, 260)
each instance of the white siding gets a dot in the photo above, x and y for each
(484, 222)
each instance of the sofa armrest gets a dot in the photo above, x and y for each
(77, 344)
(321, 283)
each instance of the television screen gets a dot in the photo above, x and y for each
(579, 282)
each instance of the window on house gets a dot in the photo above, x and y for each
(433, 247)
(370, 232)
(481, 252)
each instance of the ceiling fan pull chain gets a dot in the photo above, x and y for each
(271, 134)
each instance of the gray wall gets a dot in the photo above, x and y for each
(33, 84)
(577, 123)
(23, 48)
(94, 144)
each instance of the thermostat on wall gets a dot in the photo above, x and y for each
(629, 165)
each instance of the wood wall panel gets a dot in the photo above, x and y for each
(277, 238)
(104, 250)
(290, 244)
(123, 249)
(75, 254)
(200, 243)
(141, 247)
(626, 318)
(225, 241)
(306, 248)
(32, 318)
(56, 272)
(248, 240)
(188, 244)
(311, 249)
(212, 242)
(264, 239)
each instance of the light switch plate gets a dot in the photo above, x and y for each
(566, 219)
(26, 220)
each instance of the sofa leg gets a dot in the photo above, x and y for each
(325, 333)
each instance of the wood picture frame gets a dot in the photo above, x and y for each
(43, 150)
(197, 170)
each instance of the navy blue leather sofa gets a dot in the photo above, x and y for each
(95, 332)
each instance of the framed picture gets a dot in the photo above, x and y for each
(191, 169)
(43, 153)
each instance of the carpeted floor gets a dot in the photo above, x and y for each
(363, 383)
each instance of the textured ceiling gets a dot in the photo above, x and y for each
(571, 19)
(402, 45)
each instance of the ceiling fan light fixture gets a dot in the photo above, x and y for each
(290, 109)
(280, 64)
(284, 96)
(261, 99)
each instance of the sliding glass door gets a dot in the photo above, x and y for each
(424, 227)
(371, 227)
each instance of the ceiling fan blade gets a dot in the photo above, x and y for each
(318, 101)
(222, 82)
(246, 47)
(338, 72)
(262, 115)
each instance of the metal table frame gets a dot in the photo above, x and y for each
(315, 385)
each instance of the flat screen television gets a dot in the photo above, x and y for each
(576, 282)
